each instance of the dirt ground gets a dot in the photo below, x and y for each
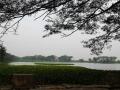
(65, 87)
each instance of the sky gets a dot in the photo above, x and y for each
(29, 41)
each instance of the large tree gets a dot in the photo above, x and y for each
(100, 17)
(65, 58)
(2, 53)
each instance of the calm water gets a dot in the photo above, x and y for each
(99, 66)
(87, 65)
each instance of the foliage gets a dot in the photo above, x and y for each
(50, 58)
(103, 59)
(10, 58)
(60, 75)
(81, 60)
(100, 17)
(55, 64)
(2, 53)
(6, 57)
(65, 58)
(33, 58)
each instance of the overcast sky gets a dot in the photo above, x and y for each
(29, 41)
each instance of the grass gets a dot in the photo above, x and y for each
(52, 74)
(55, 64)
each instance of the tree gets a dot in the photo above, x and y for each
(51, 58)
(100, 17)
(34, 58)
(65, 58)
(81, 60)
(103, 59)
(90, 60)
(10, 58)
(2, 53)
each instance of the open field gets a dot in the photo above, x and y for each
(53, 74)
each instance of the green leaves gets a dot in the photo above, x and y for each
(89, 16)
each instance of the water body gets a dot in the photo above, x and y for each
(22, 63)
(99, 66)
(96, 66)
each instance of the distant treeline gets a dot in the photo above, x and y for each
(104, 59)
(101, 59)
(9, 58)
(52, 58)
(66, 58)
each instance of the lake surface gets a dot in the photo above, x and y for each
(96, 66)
(99, 66)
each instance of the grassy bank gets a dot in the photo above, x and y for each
(55, 64)
(52, 74)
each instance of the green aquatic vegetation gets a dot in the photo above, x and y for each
(56, 64)
(52, 74)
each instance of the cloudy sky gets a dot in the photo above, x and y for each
(29, 41)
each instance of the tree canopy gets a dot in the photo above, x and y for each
(99, 18)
